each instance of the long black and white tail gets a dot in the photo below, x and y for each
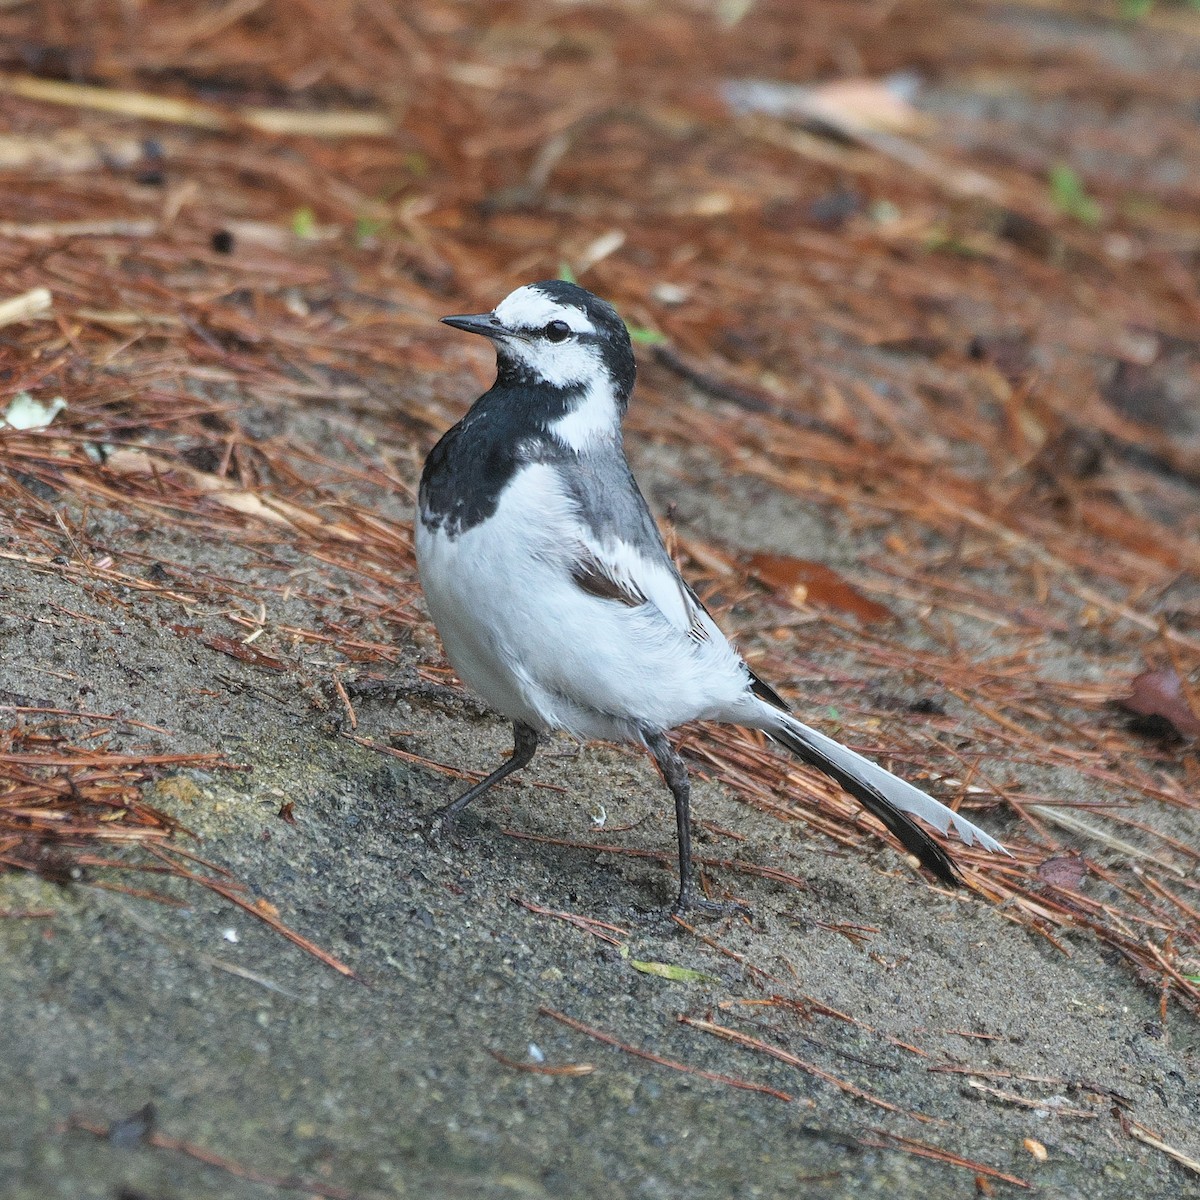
(883, 794)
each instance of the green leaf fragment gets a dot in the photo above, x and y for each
(1069, 197)
(304, 222)
(641, 335)
(365, 228)
(672, 972)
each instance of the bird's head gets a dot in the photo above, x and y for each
(558, 337)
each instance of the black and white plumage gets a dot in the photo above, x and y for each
(554, 595)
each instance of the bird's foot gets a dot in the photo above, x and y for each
(441, 826)
(689, 903)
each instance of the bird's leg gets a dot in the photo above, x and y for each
(675, 773)
(525, 742)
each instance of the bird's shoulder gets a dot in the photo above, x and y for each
(475, 460)
(620, 555)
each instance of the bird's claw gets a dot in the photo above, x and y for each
(441, 827)
(689, 903)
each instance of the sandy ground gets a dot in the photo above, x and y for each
(385, 1086)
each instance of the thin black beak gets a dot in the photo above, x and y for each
(481, 323)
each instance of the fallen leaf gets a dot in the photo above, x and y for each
(672, 972)
(1160, 693)
(1063, 870)
(802, 582)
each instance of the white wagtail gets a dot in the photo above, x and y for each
(555, 597)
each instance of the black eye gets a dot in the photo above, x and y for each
(557, 331)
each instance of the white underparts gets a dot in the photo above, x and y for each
(540, 649)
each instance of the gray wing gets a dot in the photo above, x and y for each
(622, 557)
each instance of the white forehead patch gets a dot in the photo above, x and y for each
(530, 308)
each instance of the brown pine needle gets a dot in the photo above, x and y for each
(756, 973)
(340, 688)
(166, 109)
(588, 924)
(609, 1040)
(293, 1183)
(232, 893)
(785, 1056)
(1143, 1134)
(433, 765)
(1058, 1110)
(533, 1068)
(894, 1141)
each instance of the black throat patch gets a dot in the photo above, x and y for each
(473, 463)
